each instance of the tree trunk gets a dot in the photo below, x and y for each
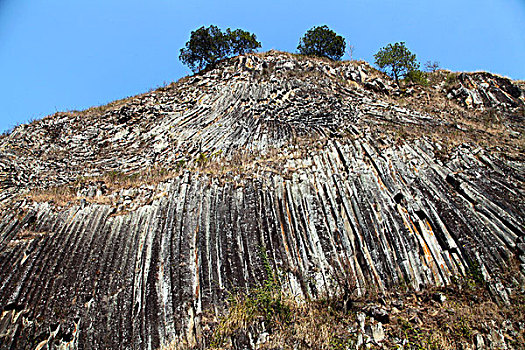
(396, 78)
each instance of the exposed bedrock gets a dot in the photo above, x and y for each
(485, 90)
(85, 278)
(302, 166)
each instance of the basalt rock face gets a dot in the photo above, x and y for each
(485, 90)
(270, 153)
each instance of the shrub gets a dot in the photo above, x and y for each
(209, 45)
(396, 60)
(451, 80)
(265, 303)
(322, 42)
(417, 77)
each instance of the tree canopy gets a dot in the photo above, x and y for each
(208, 45)
(322, 42)
(396, 60)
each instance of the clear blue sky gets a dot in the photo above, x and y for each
(64, 55)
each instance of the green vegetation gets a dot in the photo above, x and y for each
(417, 77)
(264, 302)
(209, 45)
(322, 42)
(473, 278)
(397, 61)
(415, 338)
(289, 321)
(451, 80)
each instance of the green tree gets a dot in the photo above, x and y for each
(209, 45)
(241, 42)
(322, 42)
(396, 60)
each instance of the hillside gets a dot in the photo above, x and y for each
(129, 225)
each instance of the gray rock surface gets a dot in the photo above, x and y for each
(485, 90)
(140, 271)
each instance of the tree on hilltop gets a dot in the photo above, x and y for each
(209, 45)
(241, 41)
(397, 61)
(322, 42)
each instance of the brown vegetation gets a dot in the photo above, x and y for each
(440, 318)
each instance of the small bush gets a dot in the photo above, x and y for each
(265, 303)
(418, 77)
(451, 80)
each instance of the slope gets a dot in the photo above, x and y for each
(121, 225)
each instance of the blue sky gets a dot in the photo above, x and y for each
(58, 55)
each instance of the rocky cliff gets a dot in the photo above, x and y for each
(122, 225)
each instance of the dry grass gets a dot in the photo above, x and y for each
(427, 324)
(423, 323)
(420, 320)
(240, 165)
(245, 163)
(29, 234)
(487, 128)
(60, 196)
(176, 345)
(63, 196)
(316, 324)
(25, 235)
(115, 180)
(286, 321)
(320, 324)
(493, 138)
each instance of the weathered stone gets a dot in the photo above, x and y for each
(479, 342)
(497, 340)
(378, 313)
(378, 333)
(361, 318)
(439, 297)
(483, 89)
(241, 157)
